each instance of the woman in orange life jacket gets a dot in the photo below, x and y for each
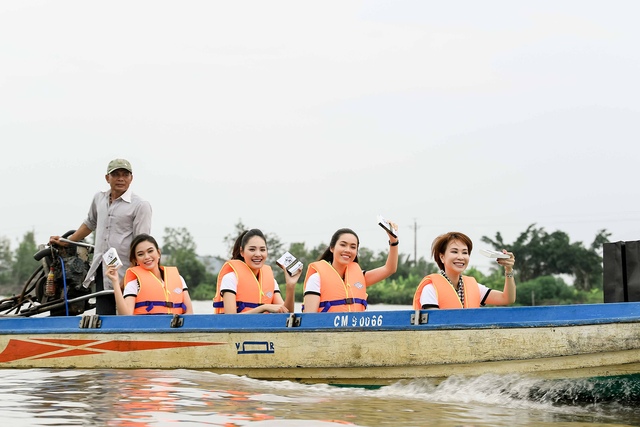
(246, 285)
(450, 289)
(336, 283)
(150, 288)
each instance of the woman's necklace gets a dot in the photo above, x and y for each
(460, 287)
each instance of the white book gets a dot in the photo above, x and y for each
(290, 263)
(111, 258)
(382, 222)
(493, 254)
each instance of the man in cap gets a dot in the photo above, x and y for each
(116, 216)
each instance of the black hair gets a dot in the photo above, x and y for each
(327, 255)
(136, 241)
(242, 240)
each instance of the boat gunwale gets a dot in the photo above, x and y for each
(480, 318)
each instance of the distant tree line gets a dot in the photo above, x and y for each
(17, 266)
(543, 262)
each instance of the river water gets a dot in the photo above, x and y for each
(37, 397)
(107, 397)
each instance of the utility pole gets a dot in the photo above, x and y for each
(533, 297)
(415, 242)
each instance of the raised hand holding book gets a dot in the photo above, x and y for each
(290, 263)
(493, 254)
(382, 222)
(111, 258)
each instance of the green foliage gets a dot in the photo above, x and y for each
(25, 264)
(190, 268)
(179, 249)
(539, 253)
(6, 261)
(230, 239)
(477, 274)
(541, 259)
(594, 296)
(401, 286)
(203, 292)
(394, 291)
(550, 290)
(407, 267)
(177, 239)
(544, 290)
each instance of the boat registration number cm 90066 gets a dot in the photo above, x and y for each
(349, 320)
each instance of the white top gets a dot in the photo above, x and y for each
(229, 282)
(429, 296)
(313, 284)
(132, 287)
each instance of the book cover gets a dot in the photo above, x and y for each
(382, 222)
(111, 258)
(290, 263)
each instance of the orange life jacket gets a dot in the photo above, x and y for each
(154, 297)
(447, 294)
(336, 294)
(251, 291)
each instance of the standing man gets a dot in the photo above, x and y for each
(116, 216)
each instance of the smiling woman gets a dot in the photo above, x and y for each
(336, 282)
(450, 289)
(149, 288)
(246, 285)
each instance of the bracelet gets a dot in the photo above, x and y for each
(509, 275)
(394, 244)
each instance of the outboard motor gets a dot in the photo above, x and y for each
(64, 270)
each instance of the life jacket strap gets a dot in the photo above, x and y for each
(168, 304)
(326, 305)
(240, 305)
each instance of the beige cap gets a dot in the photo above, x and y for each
(119, 164)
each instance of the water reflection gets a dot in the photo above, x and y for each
(195, 398)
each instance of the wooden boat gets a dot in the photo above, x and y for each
(369, 348)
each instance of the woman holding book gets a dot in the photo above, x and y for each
(450, 289)
(246, 284)
(150, 288)
(336, 283)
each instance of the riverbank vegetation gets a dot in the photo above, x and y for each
(550, 269)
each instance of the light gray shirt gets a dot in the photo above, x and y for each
(115, 225)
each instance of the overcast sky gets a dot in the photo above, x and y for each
(302, 117)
